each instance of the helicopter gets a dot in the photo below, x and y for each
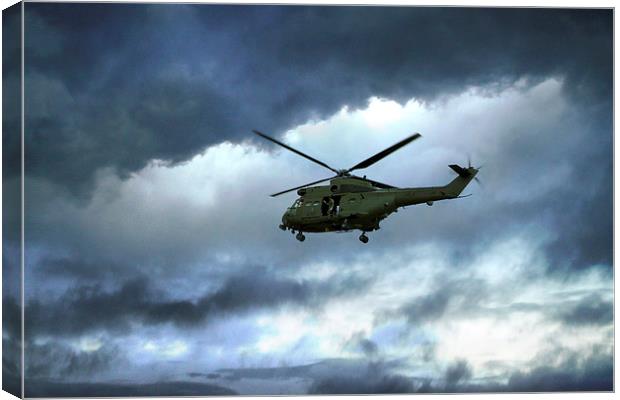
(352, 202)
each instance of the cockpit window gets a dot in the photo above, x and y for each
(297, 203)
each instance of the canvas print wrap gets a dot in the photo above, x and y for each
(157, 263)
(11, 200)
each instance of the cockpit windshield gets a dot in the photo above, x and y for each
(297, 203)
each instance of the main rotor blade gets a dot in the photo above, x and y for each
(375, 183)
(299, 187)
(369, 161)
(294, 150)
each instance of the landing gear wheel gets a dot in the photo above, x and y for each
(364, 238)
(300, 236)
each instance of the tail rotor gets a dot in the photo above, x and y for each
(467, 172)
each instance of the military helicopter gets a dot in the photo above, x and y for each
(351, 202)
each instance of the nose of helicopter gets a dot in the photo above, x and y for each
(285, 218)
(284, 224)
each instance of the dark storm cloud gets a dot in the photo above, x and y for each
(559, 369)
(589, 372)
(428, 307)
(580, 210)
(457, 372)
(592, 371)
(129, 83)
(462, 296)
(56, 360)
(470, 297)
(363, 385)
(362, 376)
(595, 377)
(594, 374)
(73, 268)
(590, 310)
(90, 308)
(369, 347)
(588, 243)
(359, 343)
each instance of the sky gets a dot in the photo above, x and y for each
(153, 260)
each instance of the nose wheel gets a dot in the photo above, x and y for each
(300, 236)
(363, 238)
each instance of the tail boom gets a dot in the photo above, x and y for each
(407, 197)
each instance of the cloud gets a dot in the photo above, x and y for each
(593, 372)
(583, 309)
(91, 308)
(464, 295)
(56, 360)
(363, 385)
(589, 310)
(167, 94)
(457, 372)
(368, 347)
(465, 298)
(368, 375)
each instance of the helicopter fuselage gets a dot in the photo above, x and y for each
(347, 204)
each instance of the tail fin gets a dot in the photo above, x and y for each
(459, 183)
(459, 170)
